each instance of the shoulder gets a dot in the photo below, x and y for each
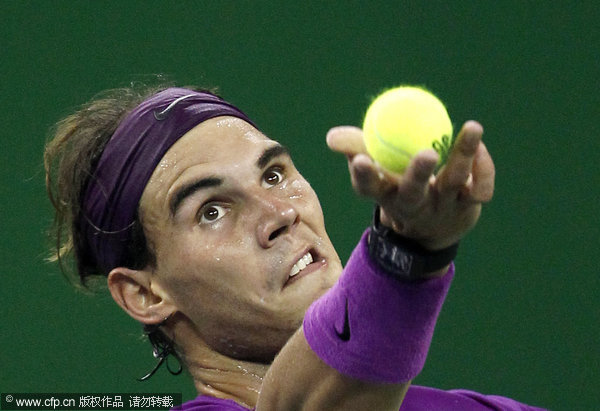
(206, 403)
(425, 398)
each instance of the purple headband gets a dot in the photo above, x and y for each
(133, 152)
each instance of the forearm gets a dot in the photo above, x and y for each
(300, 380)
(365, 340)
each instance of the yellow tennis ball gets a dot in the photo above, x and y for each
(403, 121)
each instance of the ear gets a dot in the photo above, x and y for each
(139, 295)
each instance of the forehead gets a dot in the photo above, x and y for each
(215, 139)
(214, 146)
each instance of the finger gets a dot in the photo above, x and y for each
(458, 168)
(415, 180)
(484, 174)
(422, 166)
(347, 140)
(368, 179)
(406, 191)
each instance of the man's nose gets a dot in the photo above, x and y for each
(277, 218)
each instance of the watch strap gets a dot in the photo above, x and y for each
(402, 257)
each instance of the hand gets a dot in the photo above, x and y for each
(435, 210)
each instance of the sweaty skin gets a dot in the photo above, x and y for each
(228, 217)
(436, 210)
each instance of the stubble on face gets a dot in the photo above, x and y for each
(225, 254)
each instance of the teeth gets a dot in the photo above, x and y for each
(307, 259)
(301, 264)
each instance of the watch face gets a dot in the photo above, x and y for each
(393, 259)
(403, 257)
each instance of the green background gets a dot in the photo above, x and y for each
(523, 317)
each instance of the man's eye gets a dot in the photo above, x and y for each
(272, 176)
(211, 213)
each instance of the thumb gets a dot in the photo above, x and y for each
(347, 140)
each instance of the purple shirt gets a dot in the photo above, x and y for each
(417, 399)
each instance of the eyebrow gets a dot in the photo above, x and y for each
(270, 153)
(187, 190)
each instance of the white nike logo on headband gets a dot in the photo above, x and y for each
(163, 114)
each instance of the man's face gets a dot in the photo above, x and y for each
(231, 221)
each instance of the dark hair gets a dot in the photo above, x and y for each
(69, 160)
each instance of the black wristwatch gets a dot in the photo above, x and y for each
(402, 257)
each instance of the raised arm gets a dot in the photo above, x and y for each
(435, 211)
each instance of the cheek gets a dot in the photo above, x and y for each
(198, 288)
(208, 273)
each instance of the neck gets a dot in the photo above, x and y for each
(223, 377)
(215, 374)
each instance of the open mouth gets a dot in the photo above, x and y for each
(301, 264)
(306, 264)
